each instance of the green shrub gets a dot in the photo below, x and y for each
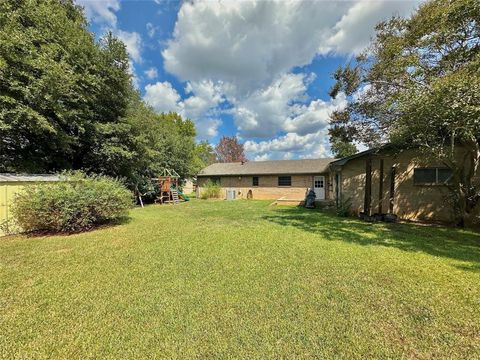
(77, 204)
(210, 191)
(343, 207)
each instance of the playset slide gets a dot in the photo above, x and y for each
(183, 196)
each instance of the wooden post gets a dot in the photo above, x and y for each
(380, 189)
(139, 195)
(337, 189)
(392, 189)
(368, 187)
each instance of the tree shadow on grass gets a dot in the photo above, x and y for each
(438, 241)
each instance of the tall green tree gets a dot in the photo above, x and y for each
(63, 97)
(45, 77)
(67, 101)
(418, 85)
(205, 153)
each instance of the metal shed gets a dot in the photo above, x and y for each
(11, 184)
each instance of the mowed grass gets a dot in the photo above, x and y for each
(217, 279)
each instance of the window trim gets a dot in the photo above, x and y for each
(284, 176)
(437, 182)
(253, 181)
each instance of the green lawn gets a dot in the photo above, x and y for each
(216, 279)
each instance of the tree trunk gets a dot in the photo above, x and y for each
(465, 188)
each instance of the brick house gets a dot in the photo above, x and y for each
(376, 181)
(286, 181)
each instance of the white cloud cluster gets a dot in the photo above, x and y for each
(151, 29)
(250, 48)
(310, 146)
(200, 106)
(246, 42)
(162, 97)
(102, 12)
(264, 112)
(352, 33)
(252, 42)
(151, 73)
(133, 43)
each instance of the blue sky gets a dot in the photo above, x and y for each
(260, 70)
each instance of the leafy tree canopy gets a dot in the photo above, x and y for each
(418, 85)
(229, 149)
(67, 101)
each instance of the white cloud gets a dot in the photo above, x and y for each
(262, 157)
(314, 145)
(207, 128)
(284, 106)
(199, 107)
(251, 43)
(352, 33)
(315, 116)
(206, 96)
(246, 42)
(151, 29)
(151, 73)
(162, 97)
(243, 53)
(102, 12)
(133, 42)
(264, 112)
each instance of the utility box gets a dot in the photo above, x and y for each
(231, 194)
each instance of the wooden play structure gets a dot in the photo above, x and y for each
(168, 184)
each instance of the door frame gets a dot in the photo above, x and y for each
(320, 177)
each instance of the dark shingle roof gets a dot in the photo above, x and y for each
(307, 166)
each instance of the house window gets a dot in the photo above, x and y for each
(284, 181)
(255, 181)
(432, 176)
(318, 183)
(215, 180)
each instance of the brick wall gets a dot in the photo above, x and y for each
(267, 188)
(412, 202)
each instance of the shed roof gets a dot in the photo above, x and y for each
(307, 166)
(7, 177)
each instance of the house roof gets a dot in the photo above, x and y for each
(307, 166)
(4, 177)
(346, 159)
(376, 150)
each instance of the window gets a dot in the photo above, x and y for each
(431, 176)
(215, 180)
(318, 184)
(444, 176)
(284, 181)
(255, 181)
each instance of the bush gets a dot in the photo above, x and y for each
(343, 207)
(210, 191)
(77, 204)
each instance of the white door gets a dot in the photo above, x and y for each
(319, 187)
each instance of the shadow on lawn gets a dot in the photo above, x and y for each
(437, 241)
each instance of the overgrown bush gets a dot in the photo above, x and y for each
(343, 207)
(76, 204)
(210, 190)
